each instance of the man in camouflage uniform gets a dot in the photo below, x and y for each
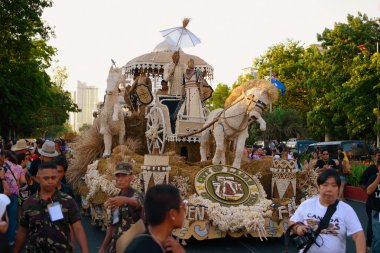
(126, 207)
(46, 217)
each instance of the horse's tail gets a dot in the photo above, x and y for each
(205, 126)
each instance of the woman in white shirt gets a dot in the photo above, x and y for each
(342, 223)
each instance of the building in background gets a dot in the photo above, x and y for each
(86, 97)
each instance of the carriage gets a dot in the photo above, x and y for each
(164, 121)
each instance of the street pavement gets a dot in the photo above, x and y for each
(95, 237)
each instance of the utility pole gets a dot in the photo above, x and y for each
(270, 80)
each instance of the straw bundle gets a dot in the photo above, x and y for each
(88, 146)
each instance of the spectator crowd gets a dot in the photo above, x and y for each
(36, 200)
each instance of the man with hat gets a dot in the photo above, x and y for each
(369, 173)
(48, 153)
(126, 208)
(20, 147)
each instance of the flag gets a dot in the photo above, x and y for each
(279, 85)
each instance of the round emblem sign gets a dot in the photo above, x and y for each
(227, 185)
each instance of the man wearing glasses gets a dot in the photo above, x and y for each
(367, 175)
(325, 163)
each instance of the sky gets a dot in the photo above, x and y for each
(89, 33)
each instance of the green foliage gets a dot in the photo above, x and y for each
(242, 79)
(282, 124)
(335, 85)
(356, 173)
(29, 101)
(349, 79)
(220, 95)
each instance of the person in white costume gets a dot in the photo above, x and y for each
(173, 74)
(192, 106)
(344, 222)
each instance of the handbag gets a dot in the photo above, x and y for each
(23, 191)
(323, 224)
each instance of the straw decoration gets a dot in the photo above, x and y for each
(185, 22)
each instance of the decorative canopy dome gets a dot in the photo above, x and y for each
(154, 62)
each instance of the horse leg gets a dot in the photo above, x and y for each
(121, 136)
(260, 120)
(115, 114)
(205, 142)
(224, 152)
(219, 145)
(240, 143)
(107, 145)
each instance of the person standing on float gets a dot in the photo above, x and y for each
(192, 104)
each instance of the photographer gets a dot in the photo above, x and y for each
(343, 221)
(373, 191)
(367, 175)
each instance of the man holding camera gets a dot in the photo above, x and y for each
(323, 223)
(373, 191)
(370, 172)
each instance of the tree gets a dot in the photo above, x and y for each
(219, 95)
(55, 112)
(287, 63)
(334, 85)
(346, 75)
(26, 89)
(282, 124)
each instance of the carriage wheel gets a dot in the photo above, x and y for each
(155, 130)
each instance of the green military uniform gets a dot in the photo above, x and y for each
(127, 216)
(44, 235)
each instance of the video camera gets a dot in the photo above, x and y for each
(301, 241)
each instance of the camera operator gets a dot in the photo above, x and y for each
(373, 191)
(343, 221)
(367, 175)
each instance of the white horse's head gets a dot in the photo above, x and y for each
(258, 95)
(257, 100)
(115, 77)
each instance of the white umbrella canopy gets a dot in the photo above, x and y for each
(180, 36)
(154, 62)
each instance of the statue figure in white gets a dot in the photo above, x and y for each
(112, 116)
(192, 105)
(245, 105)
(173, 73)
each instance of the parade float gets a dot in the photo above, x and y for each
(177, 141)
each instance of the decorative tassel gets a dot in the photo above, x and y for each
(185, 22)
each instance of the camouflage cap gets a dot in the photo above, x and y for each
(123, 168)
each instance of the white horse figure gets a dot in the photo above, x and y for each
(112, 116)
(245, 104)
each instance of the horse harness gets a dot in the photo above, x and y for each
(250, 98)
(245, 122)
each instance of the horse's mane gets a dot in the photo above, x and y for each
(271, 90)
